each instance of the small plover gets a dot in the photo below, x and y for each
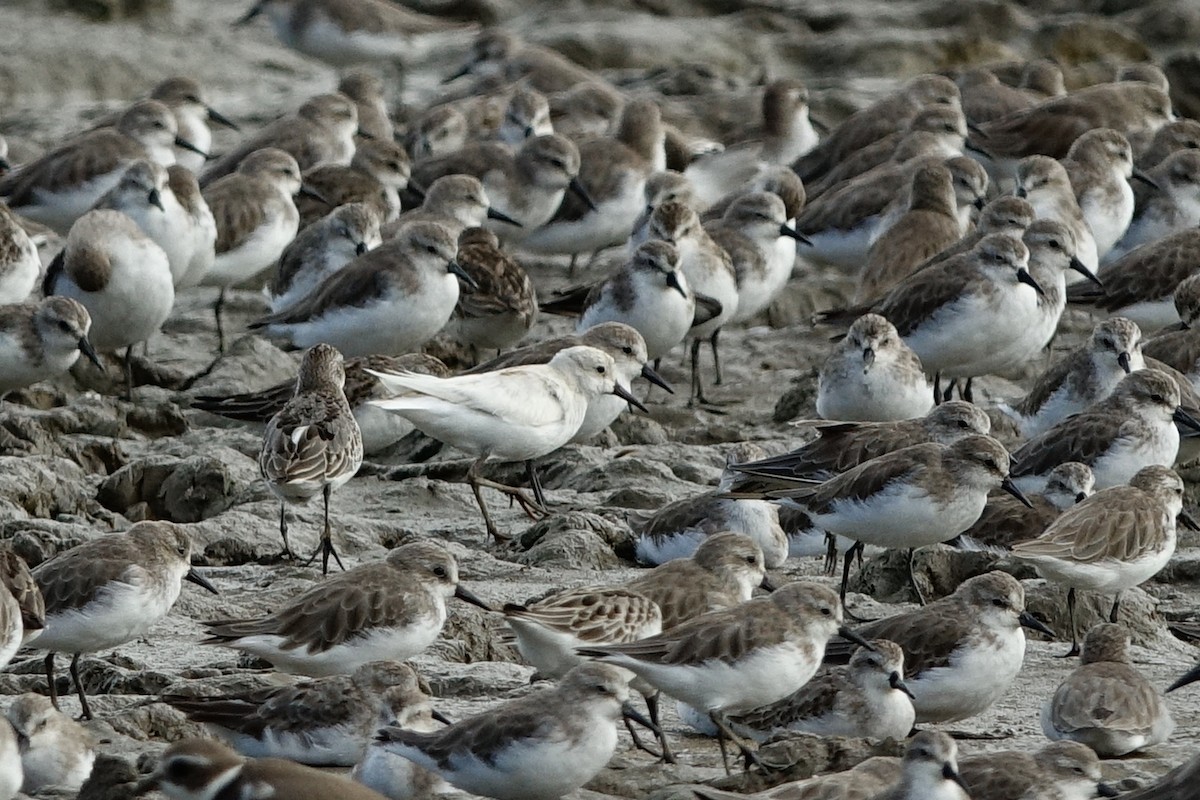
(388, 610)
(110, 590)
(1106, 703)
(313, 445)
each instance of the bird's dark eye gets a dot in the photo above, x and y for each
(558, 163)
(627, 350)
(191, 98)
(63, 325)
(1158, 398)
(962, 423)
(600, 370)
(601, 688)
(751, 559)
(991, 462)
(430, 248)
(1000, 602)
(439, 571)
(177, 771)
(1055, 244)
(825, 612)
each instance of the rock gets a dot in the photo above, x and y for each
(638, 429)
(638, 497)
(42, 486)
(939, 571)
(36, 540)
(112, 778)
(110, 10)
(249, 363)
(630, 776)
(798, 400)
(795, 757)
(573, 549)
(476, 680)
(181, 490)
(607, 530)
(472, 636)
(618, 472)
(1139, 614)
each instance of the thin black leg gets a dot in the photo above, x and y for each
(283, 531)
(535, 483)
(949, 393)
(327, 538)
(127, 364)
(473, 480)
(1112, 617)
(1074, 651)
(723, 733)
(831, 554)
(697, 387)
(652, 707)
(912, 576)
(218, 307)
(712, 342)
(53, 688)
(87, 712)
(326, 549)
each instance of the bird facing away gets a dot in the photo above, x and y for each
(313, 445)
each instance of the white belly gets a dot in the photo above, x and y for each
(972, 682)
(385, 644)
(385, 328)
(136, 301)
(846, 249)
(60, 209)
(255, 255)
(763, 677)
(120, 613)
(903, 516)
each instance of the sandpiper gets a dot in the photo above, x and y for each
(41, 340)
(256, 219)
(1114, 540)
(321, 249)
(1106, 703)
(346, 32)
(313, 445)
(961, 653)
(55, 749)
(1133, 427)
(194, 768)
(873, 376)
(110, 590)
(320, 132)
(514, 414)
(538, 747)
(388, 610)
(387, 301)
(323, 722)
(58, 188)
(120, 276)
(1083, 377)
